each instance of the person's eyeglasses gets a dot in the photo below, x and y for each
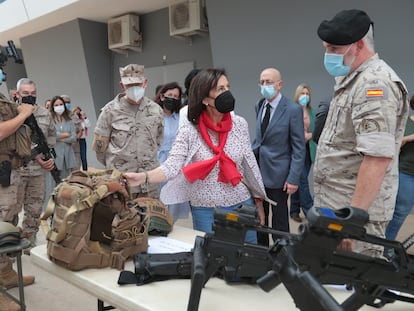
(266, 82)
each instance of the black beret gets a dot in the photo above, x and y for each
(346, 27)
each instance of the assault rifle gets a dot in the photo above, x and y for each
(41, 146)
(304, 261)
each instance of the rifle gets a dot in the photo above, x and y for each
(304, 261)
(41, 146)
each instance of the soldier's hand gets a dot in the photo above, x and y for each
(47, 165)
(25, 109)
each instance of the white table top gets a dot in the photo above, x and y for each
(173, 295)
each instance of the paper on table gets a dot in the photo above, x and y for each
(167, 245)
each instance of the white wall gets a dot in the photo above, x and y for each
(283, 34)
(17, 12)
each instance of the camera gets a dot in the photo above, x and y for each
(5, 53)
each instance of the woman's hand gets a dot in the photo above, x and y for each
(135, 179)
(64, 135)
(290, 188)
(260, 211)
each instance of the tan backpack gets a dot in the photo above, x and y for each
(91, 225)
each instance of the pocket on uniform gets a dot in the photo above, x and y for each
(120, 134)
(23, 142)
(153, 128)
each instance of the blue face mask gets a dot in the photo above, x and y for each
(334, 64)
(1, 76)
(268, 91)
(68, 106)
(303, 100)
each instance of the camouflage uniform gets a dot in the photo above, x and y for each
(75, 145)
(27, 187)
(367, 116)
(9, 197)
(135, 133)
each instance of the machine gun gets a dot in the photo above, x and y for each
(304, 261)
(41, 146)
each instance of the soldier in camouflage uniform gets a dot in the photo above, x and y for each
(357, 156)
(129, 130)
(12, 117)
(31, 188)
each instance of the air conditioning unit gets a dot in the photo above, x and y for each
(187, 17)
(124, 34)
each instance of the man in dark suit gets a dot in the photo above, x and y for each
(279, 147)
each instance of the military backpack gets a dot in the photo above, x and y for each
(90, 224)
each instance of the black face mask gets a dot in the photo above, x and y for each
(15, 98)
(225, 102)
(171, 104)
(29, 100)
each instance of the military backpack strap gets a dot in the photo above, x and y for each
(76, 205)
(50, 208)
(86, 203)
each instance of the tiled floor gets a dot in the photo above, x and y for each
(51, 293)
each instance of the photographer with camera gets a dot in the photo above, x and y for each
(12, 118)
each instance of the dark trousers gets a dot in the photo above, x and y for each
(82, 148)
(302, 198)
(280, 214)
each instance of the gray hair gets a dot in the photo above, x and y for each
(369, 39)
(24, 81)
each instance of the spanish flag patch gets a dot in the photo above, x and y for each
(374, 93)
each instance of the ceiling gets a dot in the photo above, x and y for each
(95, 10)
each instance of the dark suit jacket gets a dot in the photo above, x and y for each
(320, 119)
(281, 151)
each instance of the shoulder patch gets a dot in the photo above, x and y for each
(376, 93)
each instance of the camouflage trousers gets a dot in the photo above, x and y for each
(25, 191)
(376, 228)
(76, 150)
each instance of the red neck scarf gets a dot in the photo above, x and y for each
(228, 172)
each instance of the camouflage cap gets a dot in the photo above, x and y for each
(132, 73)
(66, 98)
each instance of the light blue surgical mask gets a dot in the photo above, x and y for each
(268, 91)
(303, 100)
(1, 76)
(334, 64)
(59, 109)
(68, 106)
